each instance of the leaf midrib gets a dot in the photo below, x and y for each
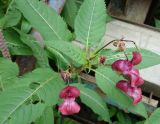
(32, 6)
(89, 28)
(104, 76)
(21, 103)
(93, 100)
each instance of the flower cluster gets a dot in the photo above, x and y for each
(69, 106)
(126, 68)
(120, 44)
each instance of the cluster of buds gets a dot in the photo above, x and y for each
(65, 75)
(69, 106)
(126, 68)
(120, 44)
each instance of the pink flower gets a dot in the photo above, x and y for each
(135, 78)
(69, 92)
(126, 68)
(122, 66)
(69, 107)
(137, 58)
(133, 92)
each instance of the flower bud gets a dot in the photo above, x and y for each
(69, 107)
(102, 59)
(137, 58)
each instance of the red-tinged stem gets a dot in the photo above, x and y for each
(3, 47)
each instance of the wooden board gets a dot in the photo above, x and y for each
(150, 103)
(130, 10)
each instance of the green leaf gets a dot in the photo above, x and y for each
(43, 83)
(1, 10)
(68, 49)
(140, 122)
(106, 80)
(112, 111)
(147, 57)
(11, 100)
(67, 121)
(157, 22)
(109, 18)
(154, 118)
(27, 114)
(61, 61)
(15, 45)
(123, 118)
(47, 84)
(11, 18)
(70, 11)
(37, 50)
(44, 19)
(94, 101)
(8, 72)
(25, 26)
(90, 23)
(47, 116)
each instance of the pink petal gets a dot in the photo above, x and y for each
(123, 85)
(69, 107)
(69, 91)
(122, 66)
(135, 78)
(136, 93)
(137, 58)
(140, 82)
(133, 92)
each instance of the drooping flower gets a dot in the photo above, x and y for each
(69, 91)
(102, 59)
(122, 66)
(126, 68)
(133, 92)
(136, 59)
(69, 106)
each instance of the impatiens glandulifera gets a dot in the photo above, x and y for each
(126, 68)
(69, 106)
(133, 92)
